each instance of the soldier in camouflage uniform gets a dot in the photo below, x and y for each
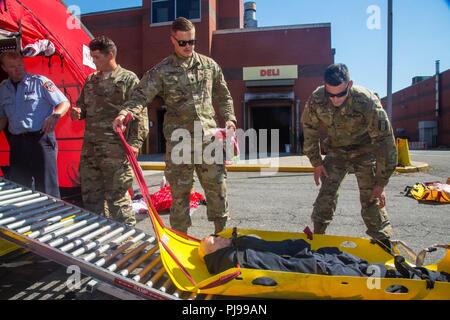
(189, 83)
(358, 137)
(105, 173)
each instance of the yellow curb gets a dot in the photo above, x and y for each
(258, 168)
(160, 166)
(411, 169)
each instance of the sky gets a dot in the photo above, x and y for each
(421, 33)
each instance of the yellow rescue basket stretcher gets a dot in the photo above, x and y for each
(7, 247)
(194, 277)
(429, 192)
(179, 255)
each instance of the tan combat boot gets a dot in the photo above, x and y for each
(219, 225)
(319, 228)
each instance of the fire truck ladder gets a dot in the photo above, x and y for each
(124, 261)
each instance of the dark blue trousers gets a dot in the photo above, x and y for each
(33, 157)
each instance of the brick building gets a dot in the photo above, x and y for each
(421, 112)
(270, 71)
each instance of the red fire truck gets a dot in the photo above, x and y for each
(33, 25)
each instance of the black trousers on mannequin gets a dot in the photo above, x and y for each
(33, 157)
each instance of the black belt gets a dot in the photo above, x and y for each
(239, 254)
(29, 134)
(349, 147)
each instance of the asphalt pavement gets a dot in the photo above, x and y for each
(283, 202)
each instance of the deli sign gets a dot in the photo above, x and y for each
(270, 72)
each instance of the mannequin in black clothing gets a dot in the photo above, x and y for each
(296, 255)
(221, 254)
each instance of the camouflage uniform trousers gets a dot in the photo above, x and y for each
(212, 178)
(338, 163)
(105, 181)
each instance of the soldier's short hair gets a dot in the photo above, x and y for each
(103, 44)
(13, 55)
(182, 24)
(336, 74)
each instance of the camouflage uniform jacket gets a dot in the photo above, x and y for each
(189, 88)
(101, 99)
(360, 122)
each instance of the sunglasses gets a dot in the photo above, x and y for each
(183, 43)
(337, 95)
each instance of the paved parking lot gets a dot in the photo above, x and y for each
(283, 202)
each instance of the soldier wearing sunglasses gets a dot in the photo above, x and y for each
(359, 137)
(189, 83)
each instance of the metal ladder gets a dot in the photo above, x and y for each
(124, 261)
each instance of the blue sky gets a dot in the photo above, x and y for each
(421, 33)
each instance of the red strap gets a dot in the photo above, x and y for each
(222, 280)
(308, 232)
(154, 217)
(183, 269)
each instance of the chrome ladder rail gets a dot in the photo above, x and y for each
(123, 261)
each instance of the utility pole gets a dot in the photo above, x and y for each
(389, 62)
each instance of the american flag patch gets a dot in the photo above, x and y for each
(49, 86)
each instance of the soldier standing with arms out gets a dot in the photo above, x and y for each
(105, 172)
(31, 105)
(359, 136)
(189, 83)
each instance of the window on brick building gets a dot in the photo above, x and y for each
(167, 10)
